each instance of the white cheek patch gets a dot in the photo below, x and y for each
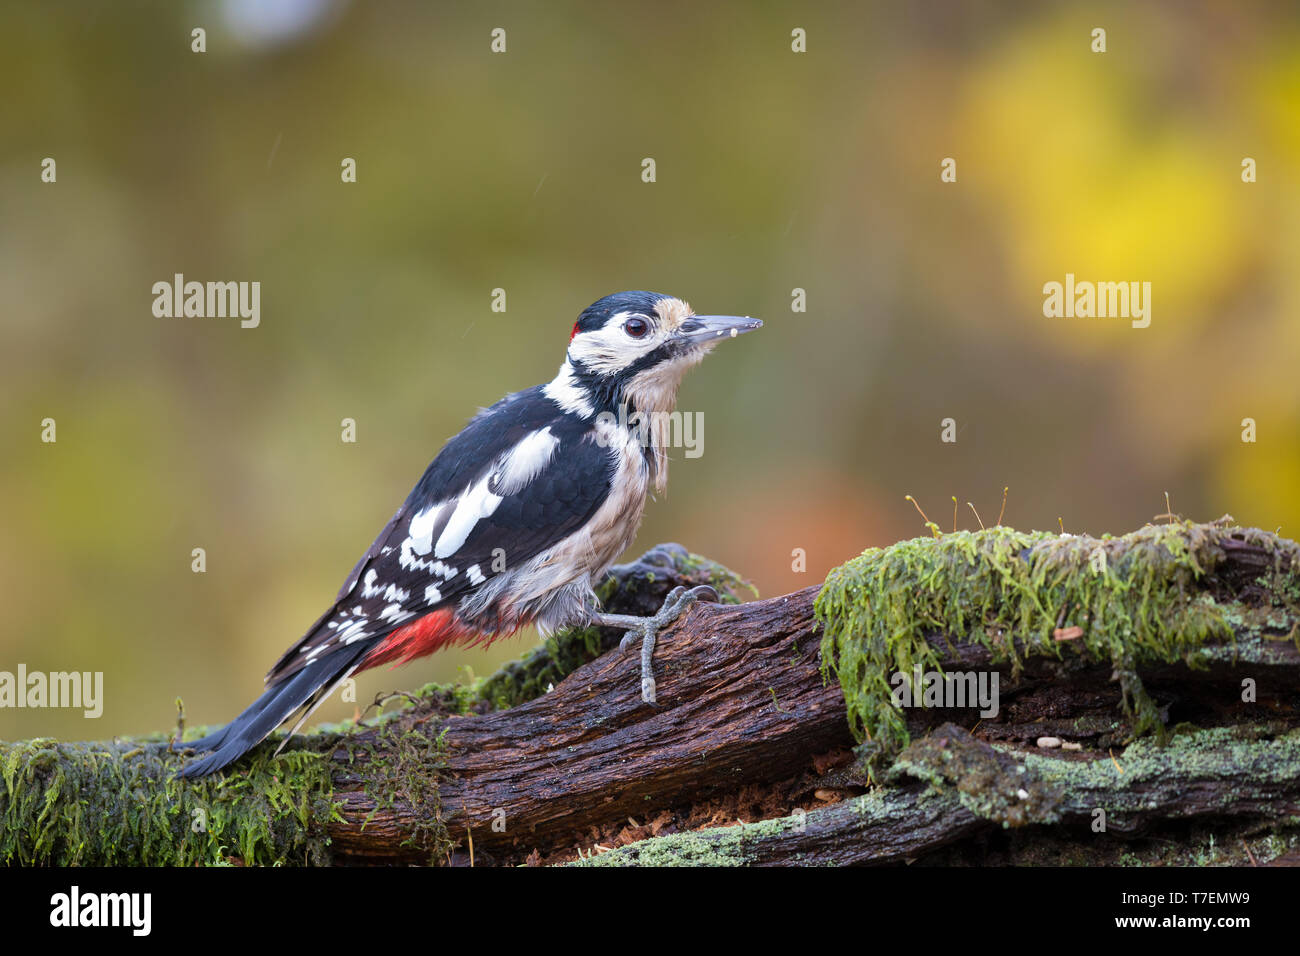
(608, 349)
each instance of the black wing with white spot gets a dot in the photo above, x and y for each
(521, 477)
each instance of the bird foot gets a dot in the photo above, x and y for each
(678, 602)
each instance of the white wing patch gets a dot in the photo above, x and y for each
(522, 463)
(509, 475)
(474, 504)
(421, 531)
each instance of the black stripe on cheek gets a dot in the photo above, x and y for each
(652, 358)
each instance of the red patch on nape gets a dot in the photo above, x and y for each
(574, 333)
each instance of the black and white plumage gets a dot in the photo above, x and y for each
(514, 521)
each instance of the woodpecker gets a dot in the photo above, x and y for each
(514, 521)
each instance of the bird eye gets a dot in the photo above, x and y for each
(636, 327)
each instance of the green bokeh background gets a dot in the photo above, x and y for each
(775, 170)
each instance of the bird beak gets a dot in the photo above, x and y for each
(705, 329)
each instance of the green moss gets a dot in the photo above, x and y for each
(104, 804)
(118, 803)
(404, 768)
(1009, 590)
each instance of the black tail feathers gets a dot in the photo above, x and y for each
(277, 703)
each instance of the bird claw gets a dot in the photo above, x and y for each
(679, 600)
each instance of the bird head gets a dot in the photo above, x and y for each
(634, 347)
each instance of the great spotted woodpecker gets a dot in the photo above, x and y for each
(515, 520)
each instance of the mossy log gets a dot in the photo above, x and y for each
(1136, 661)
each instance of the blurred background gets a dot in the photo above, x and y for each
(521, 170)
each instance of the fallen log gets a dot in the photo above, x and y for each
(556, 758)
(743, 702)
(971, 788)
